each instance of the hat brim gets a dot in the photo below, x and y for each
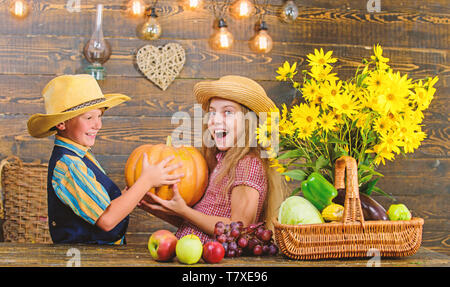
(40, 125)
(251, 98)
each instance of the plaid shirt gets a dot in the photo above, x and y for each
(249, 172)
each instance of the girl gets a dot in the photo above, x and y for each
(242, 186)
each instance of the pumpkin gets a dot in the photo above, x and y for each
(191, 187)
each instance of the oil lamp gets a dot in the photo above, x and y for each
(97, 51)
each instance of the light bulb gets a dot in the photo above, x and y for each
(289, 12)
(242, 9)
(222, 39)
(192, 4)
(150, 29)
(136, 8)
(261, 42)
(19, 8)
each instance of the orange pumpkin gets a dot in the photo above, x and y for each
(194, 167)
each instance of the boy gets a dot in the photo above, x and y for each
(84, 204)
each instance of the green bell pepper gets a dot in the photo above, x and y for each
(319, 191)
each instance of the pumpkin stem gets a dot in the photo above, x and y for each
(169, 141)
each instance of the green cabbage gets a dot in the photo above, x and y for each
(298, 210)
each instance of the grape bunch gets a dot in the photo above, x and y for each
(237, 240)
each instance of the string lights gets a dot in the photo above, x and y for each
(19, 8)
(242, 9)
(221, 39)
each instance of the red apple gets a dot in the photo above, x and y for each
(162, 245)
(213, 252)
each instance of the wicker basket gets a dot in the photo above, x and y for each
(353, 237)
(24, 190)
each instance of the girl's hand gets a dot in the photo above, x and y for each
(159, 174)
(154, 204)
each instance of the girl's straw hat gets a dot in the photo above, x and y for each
(66, 97)
(235, 88)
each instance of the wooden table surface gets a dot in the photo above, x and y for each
(26, 254)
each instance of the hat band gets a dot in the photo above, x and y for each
(86, 104)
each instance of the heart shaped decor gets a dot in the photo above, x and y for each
(161, 64)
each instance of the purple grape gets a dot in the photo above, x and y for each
(233, 225)
(273, 249)
(242, 242)
(218, 230)
(220, 224)
(235, 233)
(222, 238)
(239, 252)
(232, 246)
(252, 243)
(266, 235)
(231, 253)
(259, 232)
(265, 249)
(225, 246)
(257, 250)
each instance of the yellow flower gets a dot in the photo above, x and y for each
(327, 122)
(379, 59)
(382, 125)
(279, 168)
(391, 142)
(305, 114)
(413, 141)
(395, 97)
(321, 73)
(286, 71)
(331, 89)
(376, 81)
(285, 125)
(263, 135)
(321, 59)
(345, 104)
(304, 132)
(422, 95)
(310, 90)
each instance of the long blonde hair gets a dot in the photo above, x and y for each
(276, 185)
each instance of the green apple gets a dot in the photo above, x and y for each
(189, 249)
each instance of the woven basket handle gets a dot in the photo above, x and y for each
(346, 165)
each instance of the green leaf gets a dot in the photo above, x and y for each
(296, 174)
(380, 191)
(292, 154)
(321, 162)
(367, 187)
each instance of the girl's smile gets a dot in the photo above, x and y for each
(225, 122)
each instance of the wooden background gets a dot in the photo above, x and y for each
(414, 35)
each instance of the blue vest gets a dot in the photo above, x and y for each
(67, 227)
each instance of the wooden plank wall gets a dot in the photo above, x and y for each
(414, 35)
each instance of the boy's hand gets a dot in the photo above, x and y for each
(159, 174)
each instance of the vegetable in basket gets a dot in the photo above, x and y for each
(399, 212)
(333, 212)
(371, 209)
(318, 190)
(298, 210)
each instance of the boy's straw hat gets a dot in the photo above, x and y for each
(240, 89)
(66, 97)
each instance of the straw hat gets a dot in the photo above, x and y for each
(242, 90)
(66, 97)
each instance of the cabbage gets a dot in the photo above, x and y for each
(298, 210)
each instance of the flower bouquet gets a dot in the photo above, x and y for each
(372, 117)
